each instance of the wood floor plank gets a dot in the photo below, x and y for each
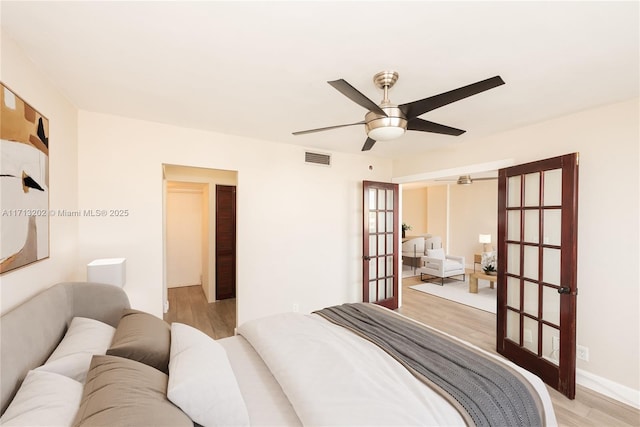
(189, 305)
(222, 315)
(183, 312)
(198, 305)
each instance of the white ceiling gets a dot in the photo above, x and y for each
(259, 69)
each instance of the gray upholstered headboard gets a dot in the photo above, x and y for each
(30, 332)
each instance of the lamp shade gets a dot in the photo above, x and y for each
(484, 238)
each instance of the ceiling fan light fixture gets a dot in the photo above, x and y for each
(464, 180)
(385, 128)
(386, 133)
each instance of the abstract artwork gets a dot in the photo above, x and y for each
(24, 183)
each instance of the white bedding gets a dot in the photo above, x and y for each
(266, 404)
(333, 377)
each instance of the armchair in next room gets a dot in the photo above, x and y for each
(438, 265)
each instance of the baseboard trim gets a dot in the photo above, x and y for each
(609, 388)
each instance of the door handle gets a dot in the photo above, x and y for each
(366, 258)
(564, 290)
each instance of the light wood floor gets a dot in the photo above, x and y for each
(188, 305)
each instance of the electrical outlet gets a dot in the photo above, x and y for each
(296, 307)
(582, 353)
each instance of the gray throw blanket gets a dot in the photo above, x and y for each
(491, 394)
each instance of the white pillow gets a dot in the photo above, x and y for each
(436, 253)
(84, 338)
(201, 381)
(44, 399)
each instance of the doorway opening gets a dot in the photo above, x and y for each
(191, 267)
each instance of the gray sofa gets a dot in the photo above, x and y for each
(30, 332)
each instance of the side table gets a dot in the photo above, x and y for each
(473, 281)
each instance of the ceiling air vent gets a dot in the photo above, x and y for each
(317, 158)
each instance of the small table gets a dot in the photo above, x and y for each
(473, 281)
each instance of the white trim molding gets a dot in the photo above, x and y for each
(609, 388)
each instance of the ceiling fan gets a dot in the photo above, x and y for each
(467, 180)
(389, 121)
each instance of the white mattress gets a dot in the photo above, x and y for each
(266, 403)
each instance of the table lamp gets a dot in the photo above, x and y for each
(485, 239)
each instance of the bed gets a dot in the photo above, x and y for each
(354, 364)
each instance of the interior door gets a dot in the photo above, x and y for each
(380, 244)
(225, 241)
(537, 268)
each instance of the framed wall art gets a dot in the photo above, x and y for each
(24, 183)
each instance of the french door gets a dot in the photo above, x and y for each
(537, 268)
(380, 243)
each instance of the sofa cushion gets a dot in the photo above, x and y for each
(44, 399)
(436, 253)
(450, 265)
(144, 338)
(84, 338)
(123, 392)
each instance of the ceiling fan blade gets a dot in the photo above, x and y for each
(417, 108)
(427, 126)
(368, 144)
(302, 132)
(353, 94)
(484, 179)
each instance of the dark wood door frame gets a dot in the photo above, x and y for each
(225, 241)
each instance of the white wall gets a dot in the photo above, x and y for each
(608, 238)
(414, 210)
(299, 226)
(184, 237)
(473, 210)
(437, 212)
(22, 77)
